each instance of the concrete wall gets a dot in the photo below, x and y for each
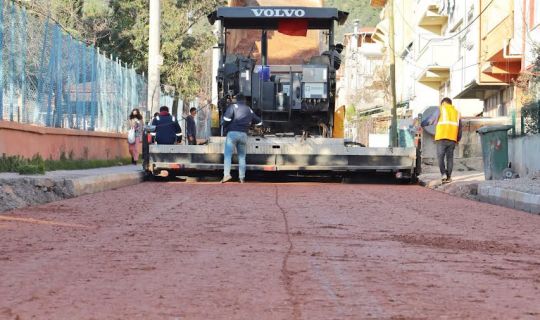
(524, 154)
(27, 140)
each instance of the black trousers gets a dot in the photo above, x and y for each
(445, 149)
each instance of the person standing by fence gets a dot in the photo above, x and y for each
(191, 127)
(135, 124)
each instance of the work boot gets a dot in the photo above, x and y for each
(448, 180)
(443, 178)
(226, 179)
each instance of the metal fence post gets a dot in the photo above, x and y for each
(40, 103)
(52, 61)
(59, 79)
(93, 102)
(12, 56)
(69, 82)
(83, 87)
(24, 47)
(1, 59)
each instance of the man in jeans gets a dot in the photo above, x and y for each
(237, 119)
(447, 136)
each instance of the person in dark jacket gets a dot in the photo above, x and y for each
(166, 127)
(191, 127)
(336, 53)
(237, 120)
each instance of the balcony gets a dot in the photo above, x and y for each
(381, 32)
(428, 15)
(370, 50)
(377, 3)
(435, 59)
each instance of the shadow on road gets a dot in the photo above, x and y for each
(359, 178)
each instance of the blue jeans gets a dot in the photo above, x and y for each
(239, 140)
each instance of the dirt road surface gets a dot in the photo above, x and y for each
(269, 251)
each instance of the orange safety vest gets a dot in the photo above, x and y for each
(448, 125)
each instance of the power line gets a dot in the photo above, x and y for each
(467, 26)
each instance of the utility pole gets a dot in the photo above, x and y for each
(216, 58)
(155, 60)
(393, 126)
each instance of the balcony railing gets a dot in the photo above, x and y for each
(370, 49)
(435, 59)
(438, 52)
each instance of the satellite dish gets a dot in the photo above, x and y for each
(428, 113)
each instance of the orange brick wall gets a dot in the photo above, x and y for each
(27, 140)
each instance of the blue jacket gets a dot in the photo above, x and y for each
(434, 118)
(239, 117)
(166, 128)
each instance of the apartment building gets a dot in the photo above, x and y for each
(362, 76)
(469, 50)
(403, 50)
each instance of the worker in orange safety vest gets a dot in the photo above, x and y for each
(448, 130)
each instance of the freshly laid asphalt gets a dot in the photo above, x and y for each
(177, 250)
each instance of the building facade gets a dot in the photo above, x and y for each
(362, 74)
(472, 51)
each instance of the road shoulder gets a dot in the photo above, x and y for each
(19, 191)
(521, 194)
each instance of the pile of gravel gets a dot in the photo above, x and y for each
(529, 184)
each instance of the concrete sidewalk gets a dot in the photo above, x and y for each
(18, 191)
(521, 194)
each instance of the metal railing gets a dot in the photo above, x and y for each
(48, 78)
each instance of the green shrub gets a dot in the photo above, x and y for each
(37, 164)
(31, 169)
(531, 116)
(10, 163)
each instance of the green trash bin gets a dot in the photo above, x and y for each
(494, 141)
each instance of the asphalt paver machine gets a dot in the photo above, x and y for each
(297, 103)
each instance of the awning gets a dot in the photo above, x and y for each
(480, 91)
(435, 74)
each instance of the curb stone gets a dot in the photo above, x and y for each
(89, 185)
(23, 191)
(510, 198)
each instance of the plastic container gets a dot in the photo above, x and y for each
(494, 141)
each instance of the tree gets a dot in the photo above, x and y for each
(183, 53)
(120, 28)
(358, 9)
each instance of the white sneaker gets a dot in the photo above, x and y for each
(226, 179)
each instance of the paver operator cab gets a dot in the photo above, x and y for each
(296, 103)
(291, 99)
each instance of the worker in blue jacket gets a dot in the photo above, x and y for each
(237, 120)
(166, 127)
